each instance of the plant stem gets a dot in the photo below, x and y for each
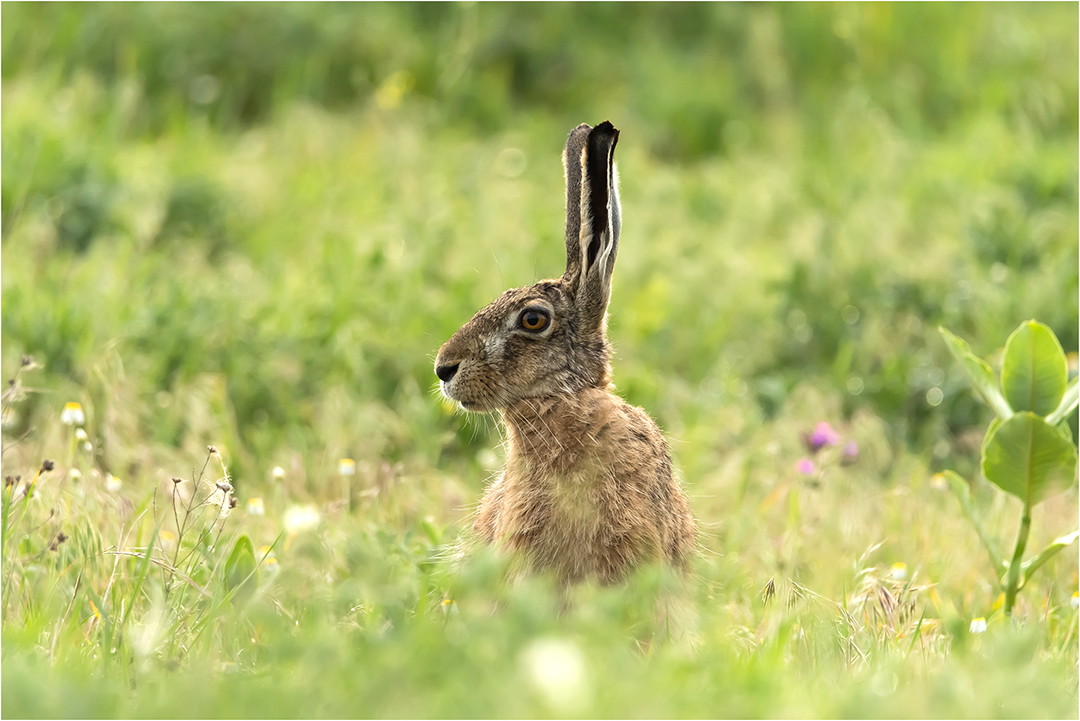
(1012, 581)
(962, 492)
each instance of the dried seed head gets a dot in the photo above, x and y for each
(768, 592)
(232, 502)
(57, 540)
(225, 486)
(212, 450)
(176, 480)
(27, 360)
(47, 465)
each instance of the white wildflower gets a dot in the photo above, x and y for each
(346, 467)
(112, 483)
(300, 518)
(277, 473)
(72, 415)
(268, 560)
(556, 669)
(978, 625)
(255, 507)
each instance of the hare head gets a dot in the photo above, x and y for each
(550, 338)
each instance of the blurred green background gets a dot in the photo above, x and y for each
(253, 225)
(308, 199)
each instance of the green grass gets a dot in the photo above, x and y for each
(252, 226)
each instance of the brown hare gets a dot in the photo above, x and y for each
(588, 491)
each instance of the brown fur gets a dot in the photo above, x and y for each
(588, 490)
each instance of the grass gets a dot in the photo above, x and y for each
(268, 265)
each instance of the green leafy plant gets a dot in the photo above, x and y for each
(241, 577)
(1028, 449)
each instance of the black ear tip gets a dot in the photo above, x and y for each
(605, 130)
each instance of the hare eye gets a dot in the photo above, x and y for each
(533, 320)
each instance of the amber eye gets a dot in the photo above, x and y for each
(534, 320)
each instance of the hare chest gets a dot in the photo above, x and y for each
(574, 525)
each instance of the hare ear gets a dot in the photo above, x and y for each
(593, 220)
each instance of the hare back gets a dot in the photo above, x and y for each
(588, 489)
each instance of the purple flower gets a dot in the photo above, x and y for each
(806, 467)
(823, 435)
(850, 453)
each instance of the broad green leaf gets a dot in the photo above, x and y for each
(1029, 459)
(978, 372)
(1068, 402)
(1033, 565)
(240, 571)
(990, 431)
(1034, 373)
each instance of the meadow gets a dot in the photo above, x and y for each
(236, 235)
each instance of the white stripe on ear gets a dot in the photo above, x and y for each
(609, 238)
(615, 209)
(585, 229)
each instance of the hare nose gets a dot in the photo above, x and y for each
(445, 373)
